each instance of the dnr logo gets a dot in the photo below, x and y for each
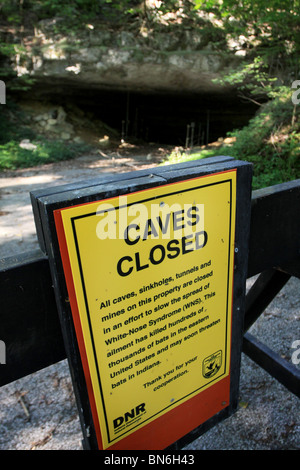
(129, 416)
(212, 364)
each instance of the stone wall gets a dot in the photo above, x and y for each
(156, 61)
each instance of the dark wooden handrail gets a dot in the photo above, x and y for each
(29, 320)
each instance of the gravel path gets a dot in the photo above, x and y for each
(39, 411)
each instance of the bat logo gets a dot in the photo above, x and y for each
(212, 364)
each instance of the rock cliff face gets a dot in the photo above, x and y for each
(147, 83)
(159, 61)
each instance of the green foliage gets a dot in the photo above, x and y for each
(252, 80)
(14, 130)
(74, 12)
(271, 141)
(13, 124)
(271, 42)
(268, 33)
(12, 156)
(179, 155)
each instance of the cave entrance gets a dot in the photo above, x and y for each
(179, 119)
(176, 119)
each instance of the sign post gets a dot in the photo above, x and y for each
(149, 273)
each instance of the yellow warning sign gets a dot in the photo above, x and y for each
(152, 274)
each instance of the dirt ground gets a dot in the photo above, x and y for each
(39, 412)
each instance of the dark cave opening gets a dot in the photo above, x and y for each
(181, 119)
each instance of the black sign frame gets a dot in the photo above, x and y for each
(45, 202)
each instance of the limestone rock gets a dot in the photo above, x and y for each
(103, 59)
